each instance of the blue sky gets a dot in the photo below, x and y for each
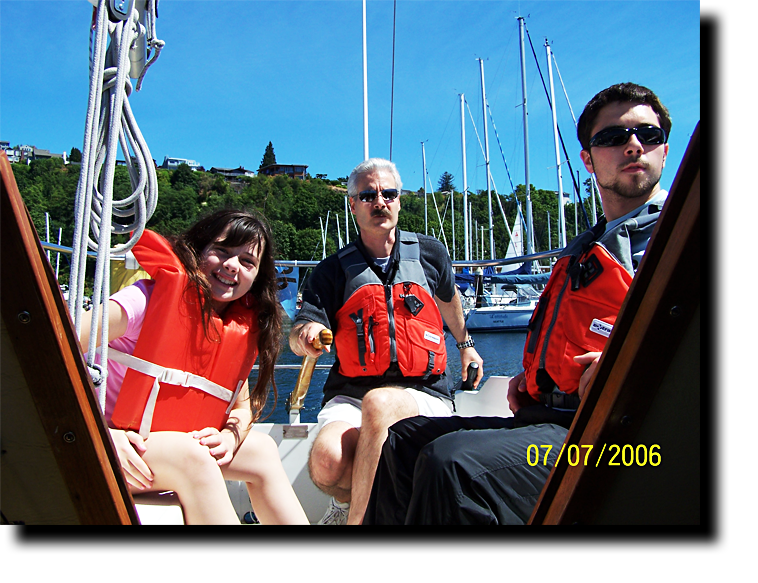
(235, 75)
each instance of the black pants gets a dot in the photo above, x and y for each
(461, 470)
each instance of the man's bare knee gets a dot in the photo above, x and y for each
(326, 464)
(319, 462)
(383, 407)
(331, 456)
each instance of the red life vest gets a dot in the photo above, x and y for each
(379, 323)
(587, 291)
(580, 303)
(172, 337)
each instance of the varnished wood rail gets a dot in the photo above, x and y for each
(57, 457)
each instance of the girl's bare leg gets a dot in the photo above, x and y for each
(181, 464)
(257, 463)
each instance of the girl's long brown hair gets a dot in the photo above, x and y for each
(245, 228)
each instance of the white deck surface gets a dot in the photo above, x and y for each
(295, 442)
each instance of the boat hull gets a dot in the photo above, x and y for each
(500, 318)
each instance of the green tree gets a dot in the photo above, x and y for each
(305, 213)
(411, 217)
(280, 200)
(307, 245)
(284, 238)
(176, 211)
(75, 155)
(445, 183)
(210, 184)
(183, 176)
(268, 157)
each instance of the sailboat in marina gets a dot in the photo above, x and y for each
(511, 310)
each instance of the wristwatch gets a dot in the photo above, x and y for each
(468, 343)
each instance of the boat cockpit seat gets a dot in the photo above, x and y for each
(166, 508)
(488, 401)
(158, 508)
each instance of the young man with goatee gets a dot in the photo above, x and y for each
(459, 470)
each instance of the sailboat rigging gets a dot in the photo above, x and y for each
(560, 135)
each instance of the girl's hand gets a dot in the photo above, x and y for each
(130, 448)
(220, 444)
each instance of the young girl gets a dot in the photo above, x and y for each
(180, 414)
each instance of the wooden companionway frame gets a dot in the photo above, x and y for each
(57, 456)
(646, 391)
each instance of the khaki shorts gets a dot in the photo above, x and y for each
(348, 409)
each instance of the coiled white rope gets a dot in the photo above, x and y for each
(110, 124)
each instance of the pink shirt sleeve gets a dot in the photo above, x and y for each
(133, 299)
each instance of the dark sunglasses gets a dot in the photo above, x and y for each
(648, 135)
(388, 194)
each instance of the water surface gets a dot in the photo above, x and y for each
(501, 351)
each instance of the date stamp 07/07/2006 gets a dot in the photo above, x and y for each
(611, 454)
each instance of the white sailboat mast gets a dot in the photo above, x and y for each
(466, 247)
(365, 88)
(323, 242)
(561, 210)
(452, 219)
(339, 235)
(471, 230)
(593, 185)
(487, 161)
(347, 232)
(529, 219)
(426, 214)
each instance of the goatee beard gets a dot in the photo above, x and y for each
(639, 186)
(636, 189)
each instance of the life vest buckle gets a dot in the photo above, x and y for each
(176, 377)
(591, 270)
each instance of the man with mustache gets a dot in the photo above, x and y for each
(384, 297)
(459, 470)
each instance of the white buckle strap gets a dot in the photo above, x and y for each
(173, 376)
(147, 415)
(233, 400)
(170, 376)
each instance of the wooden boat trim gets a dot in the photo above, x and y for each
(43, 339)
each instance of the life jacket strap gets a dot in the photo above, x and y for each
(170, 376)
(357, 318)
(429, 365)
(560, 400)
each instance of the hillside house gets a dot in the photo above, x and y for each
(232, 173)
(291, 170)
(170, 163)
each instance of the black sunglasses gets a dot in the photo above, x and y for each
(648, 135)
(388, 194)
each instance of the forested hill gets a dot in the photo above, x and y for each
(294, 208)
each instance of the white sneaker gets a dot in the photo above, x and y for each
(336, 514)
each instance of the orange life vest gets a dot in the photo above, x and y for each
(200, 379)
(588, 308)
(579, 306)
(379, 323)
